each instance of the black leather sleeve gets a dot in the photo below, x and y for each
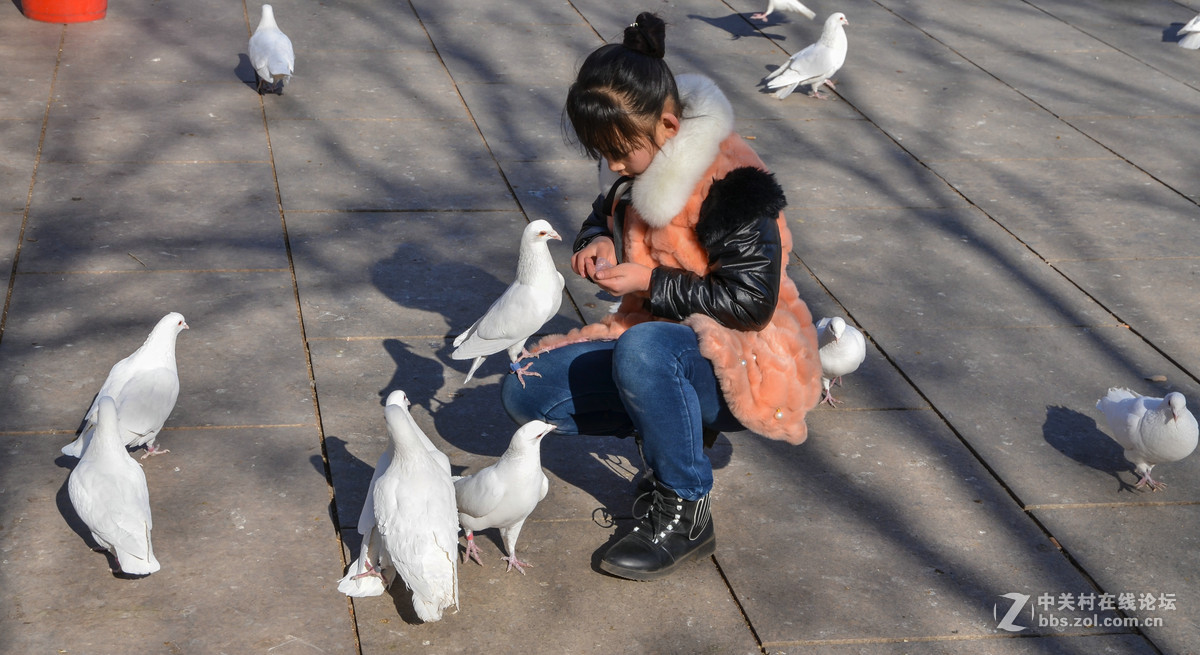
(596, 224)
(738, 228)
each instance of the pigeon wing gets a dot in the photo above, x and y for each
(118, 376)
(515, 316)
(808, 65)
(282, 59)
(146, 401)
(431, 567)
(787, 65)
(366, 518)
(1123, 411)
(794, 6)
(419, 526)
(115, 505)
(480, 494)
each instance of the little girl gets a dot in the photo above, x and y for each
(710, 334)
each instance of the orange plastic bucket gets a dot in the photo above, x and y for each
(64, 11)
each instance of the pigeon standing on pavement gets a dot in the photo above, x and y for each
(1151, 430)
(504, 494)
(144, 386)
(794, 6)
(108, 490)
(842, 349)
(524, 307)
(416, 517)
(815, 64)
(366, 575)
(271, 53)
(1191, 34)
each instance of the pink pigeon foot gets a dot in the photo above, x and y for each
(1147, 481)
(472, 551)
(371, 572)
(514, 562)
(759, 16)
(154, 450)
(522, 371)
(830, 400)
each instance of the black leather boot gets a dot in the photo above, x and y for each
(671, 532)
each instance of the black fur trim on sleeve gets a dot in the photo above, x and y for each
(745, 195)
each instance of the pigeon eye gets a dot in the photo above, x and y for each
(542, 233)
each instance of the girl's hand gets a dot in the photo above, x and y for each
(623, 278)
(584, 261)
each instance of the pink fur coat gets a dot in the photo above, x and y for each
(770, 378)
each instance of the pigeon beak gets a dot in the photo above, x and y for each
(185, 326)
(554, 235)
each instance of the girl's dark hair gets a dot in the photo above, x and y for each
(621, 90)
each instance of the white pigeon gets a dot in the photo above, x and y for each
(271, 53)
(366, 576)
(108, 490)
(1191, 34)
(794, 6)
(416, 517)
(524, 307)
(842, 349)
(1151, 430)
(145, 386)
(504, 494)
(815, 64)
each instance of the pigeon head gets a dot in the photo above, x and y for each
(837, 325)
(540, 230)
(171, 322)
(1178, 404)
(531, 433)
(107, 426)
(398, 397)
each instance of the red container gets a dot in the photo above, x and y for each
(64, 11)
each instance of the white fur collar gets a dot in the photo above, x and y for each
(662, 190)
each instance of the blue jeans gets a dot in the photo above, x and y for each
(653, 379)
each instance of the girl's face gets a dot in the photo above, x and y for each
(636, 161)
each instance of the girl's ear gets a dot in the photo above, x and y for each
(668, 127)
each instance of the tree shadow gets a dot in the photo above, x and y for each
(1076, 435)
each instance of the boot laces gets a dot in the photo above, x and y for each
(661, 517)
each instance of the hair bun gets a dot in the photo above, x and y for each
(647, 35)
